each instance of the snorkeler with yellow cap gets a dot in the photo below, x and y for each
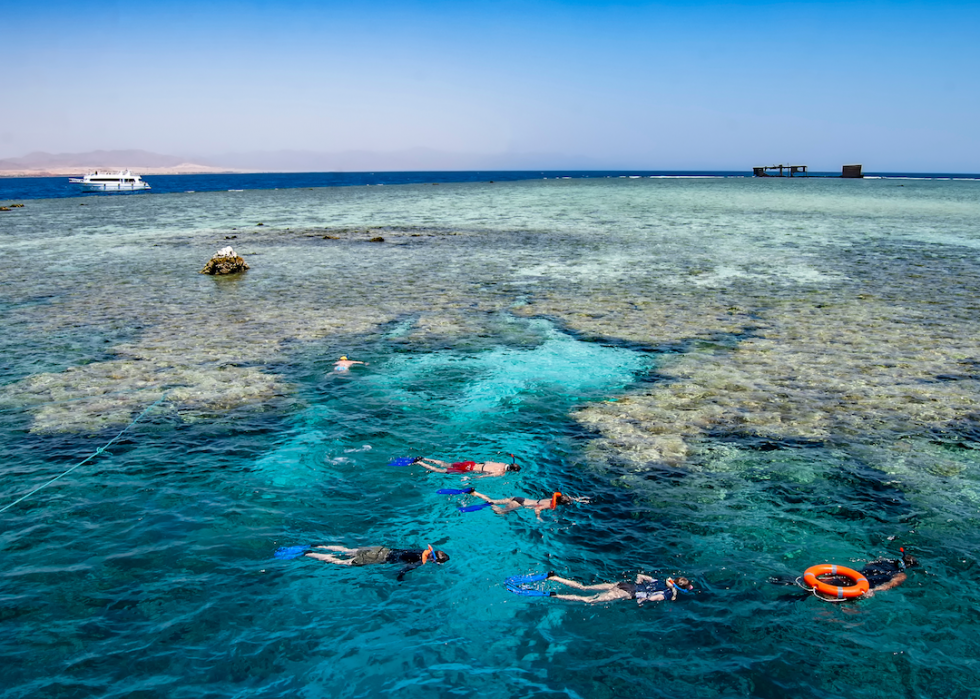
(373, 555)
(344, 364)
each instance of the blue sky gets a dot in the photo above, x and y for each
(671, 85)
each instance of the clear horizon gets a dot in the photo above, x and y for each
(653, 86)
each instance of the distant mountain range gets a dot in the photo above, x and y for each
(96, 158)
(38, 163)
(141, 161)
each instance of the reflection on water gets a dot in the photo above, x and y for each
(747, 376)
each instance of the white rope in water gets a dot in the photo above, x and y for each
(820, 597)
(90, 457)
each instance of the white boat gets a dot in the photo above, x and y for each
(122, 181)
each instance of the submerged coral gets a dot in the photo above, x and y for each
(785, 317)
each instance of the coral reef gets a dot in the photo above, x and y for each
(225, 261)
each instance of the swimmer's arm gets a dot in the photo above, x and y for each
(655, 597)
(894, 582)
(641, 578)
(406, 569)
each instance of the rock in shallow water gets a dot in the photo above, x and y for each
(225, 261)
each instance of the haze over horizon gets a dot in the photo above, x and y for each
(631, 84)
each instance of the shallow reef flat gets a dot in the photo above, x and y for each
(812, 312)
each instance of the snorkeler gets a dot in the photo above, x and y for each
(344, 364)
(505, 505)
(372, 555)
(645, 589)
(881, 574)
(481, 468)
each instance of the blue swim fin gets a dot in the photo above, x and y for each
(403, 461)
(454, 491)
(531, 578)
(473, 508)
(287, 553)
(529, 592)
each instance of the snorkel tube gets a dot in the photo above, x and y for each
(554, 500)
(428, 554)
(678, 588)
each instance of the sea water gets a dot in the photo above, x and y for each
(747, 377)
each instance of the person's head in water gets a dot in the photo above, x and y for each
(909, 560)
(343, 358)
(683, 583)
(441, 556)
(513, 467)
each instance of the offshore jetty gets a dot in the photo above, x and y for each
(847, 171)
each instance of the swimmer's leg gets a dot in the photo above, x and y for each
(328, 558)
(502, 501)
(444, 466)
(595, 599)
(511, 506)
(580, 586)
(342, 549)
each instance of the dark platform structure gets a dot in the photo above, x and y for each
(849, 172)
(793, 171)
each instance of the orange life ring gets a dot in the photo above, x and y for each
(859, 587)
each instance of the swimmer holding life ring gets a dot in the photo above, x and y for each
(835, 583)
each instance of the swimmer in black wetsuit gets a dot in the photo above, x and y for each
(372, 555)
(882, 574)
(645, 589)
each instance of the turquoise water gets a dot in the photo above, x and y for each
(747, 378)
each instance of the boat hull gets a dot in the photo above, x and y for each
(112, 187)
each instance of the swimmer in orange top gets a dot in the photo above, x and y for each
(478, 468)
(505, 505)
(344, 364)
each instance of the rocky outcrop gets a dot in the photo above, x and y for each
(225, 261)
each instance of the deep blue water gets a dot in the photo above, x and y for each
(54, 187)
(17, 188)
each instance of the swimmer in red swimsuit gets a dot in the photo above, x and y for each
(482, 468)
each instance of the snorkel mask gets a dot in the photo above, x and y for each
(687, 591)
